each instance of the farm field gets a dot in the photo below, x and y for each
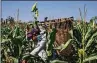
(60, 40)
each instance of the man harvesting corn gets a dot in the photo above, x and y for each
(32, 33)
(38, 33)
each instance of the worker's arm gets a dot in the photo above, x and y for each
(41, 44)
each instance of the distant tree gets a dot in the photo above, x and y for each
(1, 20)
(10, 19)
(94, 19)
(45, 19)
(4, 22)
(72, 17)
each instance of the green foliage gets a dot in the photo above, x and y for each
(52, 39)
(83, 38)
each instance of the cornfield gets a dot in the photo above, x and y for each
(62, 41)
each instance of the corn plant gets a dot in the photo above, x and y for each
(84, 36)
(13, 40)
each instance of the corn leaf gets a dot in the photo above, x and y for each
(52, 39)
(88, 34)
(91, 40)
(34, 7)
(58, 61)
(90, 58)
(64, 46)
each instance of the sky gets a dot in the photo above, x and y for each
(50, 9)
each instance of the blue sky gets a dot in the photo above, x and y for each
(51, 9)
